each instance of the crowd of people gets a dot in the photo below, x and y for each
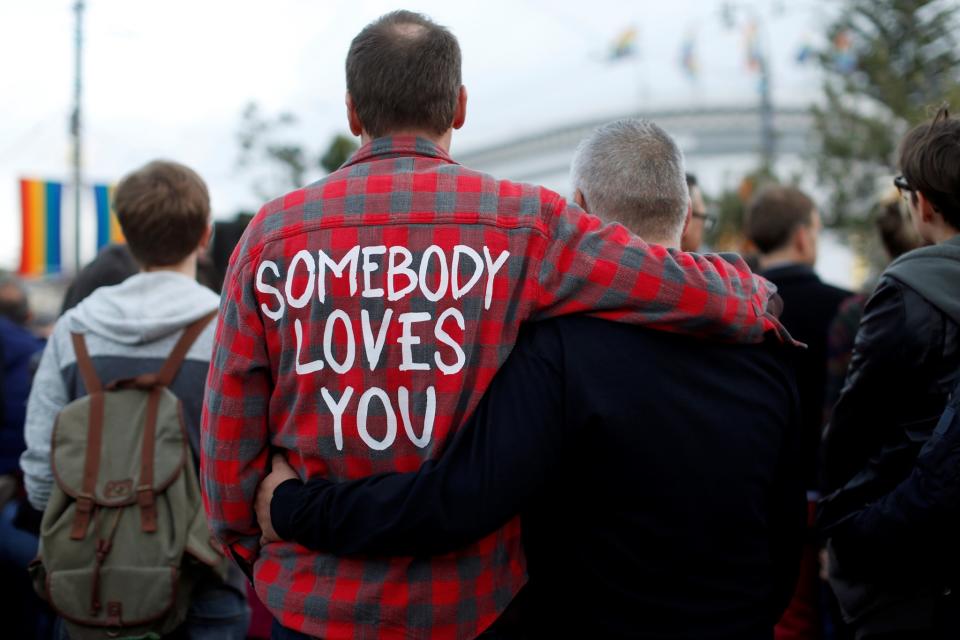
(429, 403)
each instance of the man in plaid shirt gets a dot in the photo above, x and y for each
(365, 315)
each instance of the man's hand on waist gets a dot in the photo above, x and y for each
(280, 473)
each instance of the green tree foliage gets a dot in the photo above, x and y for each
(341, 148)
(889, 62)
(268, 152)
(272, 154)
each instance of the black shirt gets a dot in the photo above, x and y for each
(809, 307)
(657, 476)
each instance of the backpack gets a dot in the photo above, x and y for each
(124, 537)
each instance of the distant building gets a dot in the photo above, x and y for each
(721, 145)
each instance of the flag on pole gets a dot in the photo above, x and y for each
(40, 204)
(844, 59)
(108, 228)
(688, 56)
(624, 46)
(751, 42)
(805, 52)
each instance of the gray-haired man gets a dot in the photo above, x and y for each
(656, 474)
(631, 172)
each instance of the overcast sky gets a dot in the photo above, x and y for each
(169, 79)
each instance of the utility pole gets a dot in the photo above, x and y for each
(76, 131)
(768, 134)
(768, 138)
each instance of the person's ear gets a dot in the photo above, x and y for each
(460, 115)
(205, 238)
(688, 218)
(580, 200)
(356, 127)
(801, 239)
(927, 212)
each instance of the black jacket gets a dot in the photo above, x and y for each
(914, 528)
(904, 366)
(810, 305)
(657, 475)
(17, 349)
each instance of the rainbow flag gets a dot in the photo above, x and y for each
(40, 203)
(844, 59)
(624, 46)
(751, 43)
(688, 56)
(108, 228)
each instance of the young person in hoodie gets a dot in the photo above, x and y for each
(130, 329)
(365, 315)
(904, 366)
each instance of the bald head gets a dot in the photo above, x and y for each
(403, 73)
(407, 31)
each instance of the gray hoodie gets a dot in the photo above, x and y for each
(933, 272)
(130, 328)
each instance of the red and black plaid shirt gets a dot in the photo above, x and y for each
(364, 316)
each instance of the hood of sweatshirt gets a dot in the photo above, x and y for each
(143, 308)
(933, 272)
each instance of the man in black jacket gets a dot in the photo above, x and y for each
(904, 366)
(784, 224)
(657, 475)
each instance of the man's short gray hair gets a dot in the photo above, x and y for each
(631, 171)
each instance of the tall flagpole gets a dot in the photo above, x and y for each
(768, 136)
(76, 131)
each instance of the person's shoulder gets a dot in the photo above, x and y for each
(17, 340)
(597, 343)
(202, 348)
(286, 215)
(884, 331)
(512, 203)
(542, 338)
(501, 186)
(835, 293)
(889, 294)
(575, 326)
(591, 337)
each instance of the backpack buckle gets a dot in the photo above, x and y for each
(114, 613)
(148, 508)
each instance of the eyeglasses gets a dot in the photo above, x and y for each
(709, 220)
(902, 185)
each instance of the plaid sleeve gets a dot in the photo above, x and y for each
(234, 434)
(589, 266)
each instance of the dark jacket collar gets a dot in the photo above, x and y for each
(396, 147)
(791, 271)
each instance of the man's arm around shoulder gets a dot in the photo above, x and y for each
(604, 270)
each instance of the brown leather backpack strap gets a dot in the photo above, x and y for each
(190, 335)
(91, 464)
(146, 497)
(91, 468)
(85, 365)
